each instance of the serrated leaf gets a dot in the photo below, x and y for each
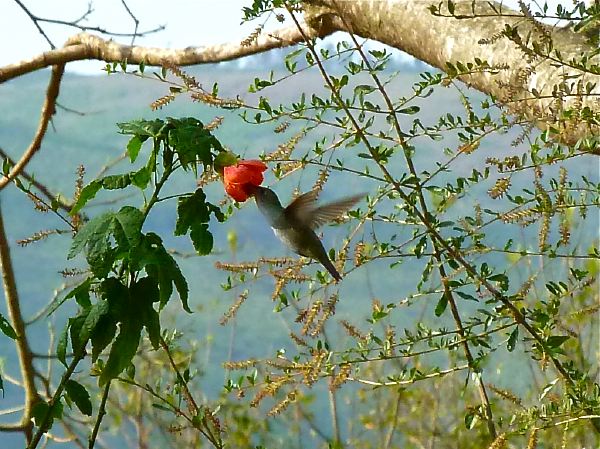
(75, 325)
(133, 147)
(61, 346)
(102, 335)
(192, 142)
(91, 231)
(131, 220)
(123, 348)
(96, 312)
(115, 182)
(159, 264)
(191, 209)
(202, 239)
(193, 213)
(141, 128)
(79, 395)
(86, 194)
(6, 328)
(145, 293)
(141, 178)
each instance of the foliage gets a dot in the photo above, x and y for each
(470, 293)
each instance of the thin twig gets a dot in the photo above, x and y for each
(35, 21)
(41, 429)
(101, 413)
(64, 205)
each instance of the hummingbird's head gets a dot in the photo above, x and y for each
(266, 200)
(264, 195)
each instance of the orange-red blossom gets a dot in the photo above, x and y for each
(241, 179)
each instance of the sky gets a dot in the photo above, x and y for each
(188, 23)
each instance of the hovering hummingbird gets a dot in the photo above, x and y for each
(295, 224)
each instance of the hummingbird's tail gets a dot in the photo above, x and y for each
(327, 264)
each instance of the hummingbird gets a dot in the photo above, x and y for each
(295, 224)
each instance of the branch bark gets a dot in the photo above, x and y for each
(23, 349)
(47, 112)
(84, 46)
(411, 27)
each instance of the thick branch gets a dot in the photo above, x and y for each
(87, 46)
(23, 349)
(410, 26)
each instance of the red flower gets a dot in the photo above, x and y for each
(241, 178)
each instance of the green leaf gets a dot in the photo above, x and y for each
(124, 347)
(86, 194)
(102, 335)
(467, 296)
(114, 182)
(6, 328)
(79, 395)
(471, 419)
(141, 178)
(42, 411)
(202, 239)
(133, 147)
(142, 128)
(159, 264)
(411, 110)
(555, 341)
(131, 220)
(94, 229)
(441, 305)
(152, 325)
(193, 213)
(144, 294)
(192, 142)
(512, 339)
(96, 312)
(61, 346)
(170, 271)
(75, 326)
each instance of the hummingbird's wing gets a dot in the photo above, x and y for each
(330, 211)
(303, 209)
(302, 206)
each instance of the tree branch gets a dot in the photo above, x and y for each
(23, 349)
(523, 83)
(84, 46)
(47, 112)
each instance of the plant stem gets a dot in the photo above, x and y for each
(41, 428)
(101, 413)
